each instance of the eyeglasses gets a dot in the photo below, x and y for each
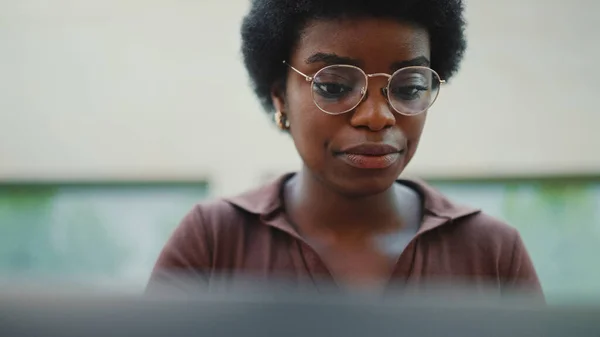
(340, 88)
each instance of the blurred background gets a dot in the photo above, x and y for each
(116, 116)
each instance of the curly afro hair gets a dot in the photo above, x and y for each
(271, 29)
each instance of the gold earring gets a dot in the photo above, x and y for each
(281, 120)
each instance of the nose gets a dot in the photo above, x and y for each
(374, 111)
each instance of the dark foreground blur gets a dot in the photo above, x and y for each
(277, 310)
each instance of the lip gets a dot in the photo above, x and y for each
(371, 155)
(371, 149)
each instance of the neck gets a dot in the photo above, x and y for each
(313, 206)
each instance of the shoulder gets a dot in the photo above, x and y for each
(214, 223)
(473, 224)
(500, 245)
(213, 226)
(492, 246)
(193, 247)
(484, 228)
(191, 243)
(477, 238)
(206, 238)
(217, 215)
(481, 235)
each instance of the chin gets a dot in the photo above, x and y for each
(366, 185)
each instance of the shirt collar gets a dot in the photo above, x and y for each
(267, 199)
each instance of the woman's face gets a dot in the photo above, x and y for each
(361, 152)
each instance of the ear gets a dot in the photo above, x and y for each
(278, 97)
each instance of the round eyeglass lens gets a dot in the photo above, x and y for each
(413, 90)
(339, 88)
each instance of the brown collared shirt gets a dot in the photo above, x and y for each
(249, 236)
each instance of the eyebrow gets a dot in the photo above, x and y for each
(330, 58)
(421, 61)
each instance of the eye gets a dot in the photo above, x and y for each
(408, 92)
(332, 89)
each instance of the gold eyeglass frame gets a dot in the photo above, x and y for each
(363, 91)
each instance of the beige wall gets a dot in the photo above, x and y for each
(131, 89)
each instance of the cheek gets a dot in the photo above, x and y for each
(306, 126)
(412, 128)
(297, 99)
(302, 112)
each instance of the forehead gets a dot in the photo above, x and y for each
(377, 43)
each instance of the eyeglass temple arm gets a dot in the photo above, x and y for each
(308, 78)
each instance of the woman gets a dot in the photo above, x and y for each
(351, 82)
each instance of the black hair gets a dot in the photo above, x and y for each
(271, 29)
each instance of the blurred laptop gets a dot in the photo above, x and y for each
(281, 312)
